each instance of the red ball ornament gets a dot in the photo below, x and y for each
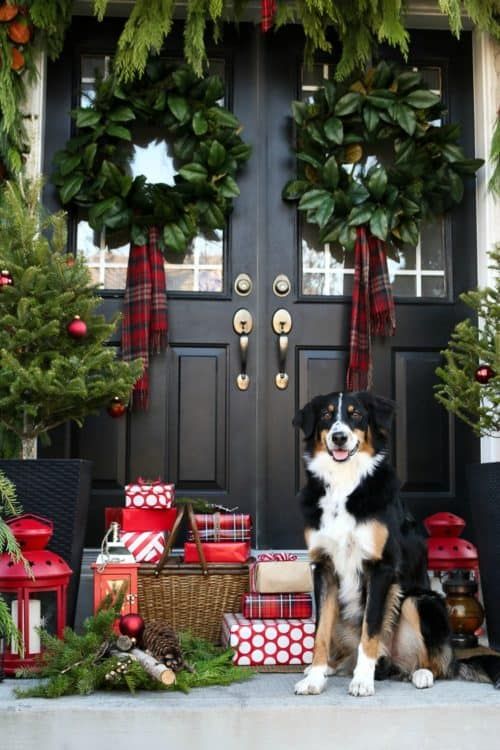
(6, 279)
(77, 329)
(131, 625)
(483, 374)
(116, 408)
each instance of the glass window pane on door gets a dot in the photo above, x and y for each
(327, 270)
(201, 268)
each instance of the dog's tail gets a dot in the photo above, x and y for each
(481, 668)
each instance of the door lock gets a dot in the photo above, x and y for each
(243, 285)
(281, 285)
(243, 324)
(282, 325)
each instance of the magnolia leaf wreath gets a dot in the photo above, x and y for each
(93, 170)
(373, 152)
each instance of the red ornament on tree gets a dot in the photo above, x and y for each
(483, 374)
(116, 408)
(6, 279)
(131, 625)
(77, 329)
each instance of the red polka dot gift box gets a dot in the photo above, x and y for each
(147, 494)
(270, 642)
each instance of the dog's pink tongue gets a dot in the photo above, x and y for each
(340, 455)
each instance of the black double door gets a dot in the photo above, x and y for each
(202, 430)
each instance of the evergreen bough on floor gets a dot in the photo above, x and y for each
(71, 666)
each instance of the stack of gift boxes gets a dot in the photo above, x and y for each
(225, 538)
(275, 627)
(146, 519)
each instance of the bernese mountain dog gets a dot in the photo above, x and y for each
(376, 614)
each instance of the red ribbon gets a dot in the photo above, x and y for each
(268, 11)
(276, 557)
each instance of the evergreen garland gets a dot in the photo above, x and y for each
(478, 405)
(73, 665)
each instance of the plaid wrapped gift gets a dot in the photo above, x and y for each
(273, 642)
(262, 606)
(223, 527)
(146, 494)
(146, 546)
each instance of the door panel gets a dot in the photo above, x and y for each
(239, 447)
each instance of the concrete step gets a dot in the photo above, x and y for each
(261, 714)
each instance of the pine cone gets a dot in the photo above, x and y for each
(161, 642)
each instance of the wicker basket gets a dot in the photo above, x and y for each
(189, 600)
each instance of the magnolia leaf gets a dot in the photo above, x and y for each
(195, 173)
(370, 118)
(200, 124)
(360, 214)
(456, 186)
(324, 212)
(408, 231)
(347, 104)
(422, 99)
(406, 81)
(87, 118)
(379, 223)
(214, 218)
(174, 238)
(294, 189)
(118, 131)
(405, 117)
(309, 159)
(353, 153)
(121, 114)
(331, 173)
(178, 106)
(377, 183)
(228, 188)
(334, 130)
(217, 155)
(358, 193)
(68, 164)
(313, 199)
(71, 187)
(299, 111)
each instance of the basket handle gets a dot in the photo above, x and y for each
(173, 534)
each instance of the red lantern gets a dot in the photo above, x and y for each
(445, 550)
(36, 596)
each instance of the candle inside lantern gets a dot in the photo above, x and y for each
(35, 622)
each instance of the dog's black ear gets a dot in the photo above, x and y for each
(306, 419)
(381, 411)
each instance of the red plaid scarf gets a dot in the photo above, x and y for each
(145, 321)
(267, 13)
(372, 307)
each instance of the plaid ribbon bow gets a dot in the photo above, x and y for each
(372, 307)
(145, 321)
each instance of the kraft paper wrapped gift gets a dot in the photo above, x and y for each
(280, 573)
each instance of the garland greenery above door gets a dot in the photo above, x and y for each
(373, 152)
(93, 170)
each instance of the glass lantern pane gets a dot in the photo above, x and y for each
(42, 614)
(10, 600)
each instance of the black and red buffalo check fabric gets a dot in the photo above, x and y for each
(223, 527)
(145, 321)
(264, 606)
(372, 307)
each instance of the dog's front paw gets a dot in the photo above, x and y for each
(314, 682)
(422, 678)
(361, 687)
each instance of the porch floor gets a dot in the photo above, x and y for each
(262, 713)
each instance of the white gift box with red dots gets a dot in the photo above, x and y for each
(268, 642)
(153, 495)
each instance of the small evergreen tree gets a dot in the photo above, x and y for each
(46, 376)
(8, 507)
(471, 346)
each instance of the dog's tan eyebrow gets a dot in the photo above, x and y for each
(350, 409)
(331, 408)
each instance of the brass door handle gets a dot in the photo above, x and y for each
(243, 324)
(282, 325)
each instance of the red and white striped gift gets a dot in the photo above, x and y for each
(146, 494)
(146, 546)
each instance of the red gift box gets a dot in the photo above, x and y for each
(147, 494)
(223, 527)
(261, 606)
(218, 552)
(146, 546)
(141, 519)
(274, 642)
